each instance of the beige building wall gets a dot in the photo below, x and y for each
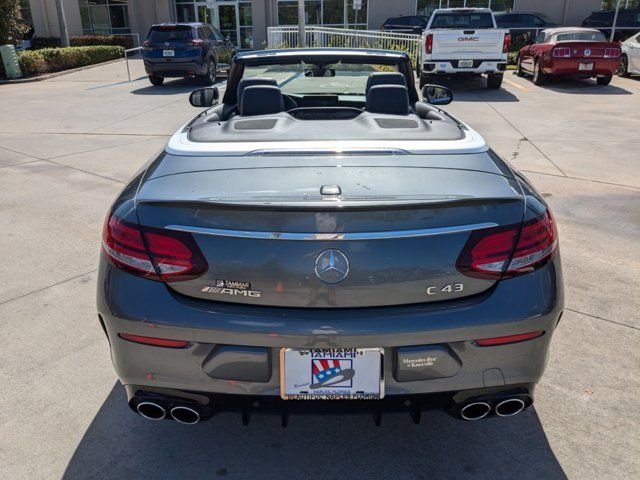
(565, 12)
(45, 17)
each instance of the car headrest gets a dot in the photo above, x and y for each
(385, 78)
(250, 82)
(261, 100)
(389, 99)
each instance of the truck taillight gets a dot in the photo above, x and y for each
(561, 52)
(509, 251)
(612, 52)
(152, 253)
(428, 43)
(506, 43)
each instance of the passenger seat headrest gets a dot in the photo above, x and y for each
(261, 100)
(388, 99)
(385, 78)
(250, 82)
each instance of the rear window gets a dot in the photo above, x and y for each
(585, 36)
(166, 34)
(462, 20)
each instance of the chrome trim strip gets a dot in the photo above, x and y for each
(425, 232)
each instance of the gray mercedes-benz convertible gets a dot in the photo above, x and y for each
(323, 234)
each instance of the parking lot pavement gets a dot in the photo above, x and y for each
(67, 145)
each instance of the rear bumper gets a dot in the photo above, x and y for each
(175, 69)
(448, 67)
(128, 304)
(572, 67)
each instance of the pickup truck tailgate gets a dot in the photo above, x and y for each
(468, 44)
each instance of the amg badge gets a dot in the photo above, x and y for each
(232, 287)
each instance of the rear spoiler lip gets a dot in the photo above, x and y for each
(328, 205)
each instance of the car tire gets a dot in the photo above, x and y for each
(494, 80)
(209, 78)
(623, 69)
(606, 80)
(519, 70)
(539, 78)
(156, 81)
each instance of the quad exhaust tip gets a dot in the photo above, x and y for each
(475, 411)
(509, 407)
(151, 410)
(186, 415)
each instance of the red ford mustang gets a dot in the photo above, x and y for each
(569, 51)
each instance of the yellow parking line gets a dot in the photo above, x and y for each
(513, 84)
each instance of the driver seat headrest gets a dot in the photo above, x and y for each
(251, 82)
(388, 99)
(385, 78)
(261, 100)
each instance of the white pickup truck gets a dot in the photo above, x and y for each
(463, 41)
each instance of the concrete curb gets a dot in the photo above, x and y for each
(58, 74)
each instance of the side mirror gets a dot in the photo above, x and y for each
(204, 97)
(437, 95)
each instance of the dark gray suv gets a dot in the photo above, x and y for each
(322, 239)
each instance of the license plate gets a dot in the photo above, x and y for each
(465, 63)
(585, 66)
(168, 53)
(331, 374)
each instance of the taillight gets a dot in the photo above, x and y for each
(521, 337)
(612, 52)
(508, 251)
(506, 43)
(152, 253)
(146, 43)
(197, 42)
(562, 52)
(156, 342)
(428, 43)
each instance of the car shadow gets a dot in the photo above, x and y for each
(474, 89)
(581, 86)
(120, 444)
(175, 86)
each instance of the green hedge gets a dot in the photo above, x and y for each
(46, 60)
(125, 41)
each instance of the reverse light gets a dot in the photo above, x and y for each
(428, 43)
(506, 43)
(561, 52)
(154, 341)
(152, 253)
(509, 250)
(612, 52)
(490, 342)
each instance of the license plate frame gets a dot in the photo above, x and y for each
(168, 53)
(585, 66)
(465, 63)
(303, 376)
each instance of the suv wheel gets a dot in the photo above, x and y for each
(606, 80)
(210, 77)
(494, 80)
(157, 81)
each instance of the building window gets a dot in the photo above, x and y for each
(104, 16)
(232, 17)
(426, 7)
(327, 13)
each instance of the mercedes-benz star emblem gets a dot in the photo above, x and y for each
(332, 266)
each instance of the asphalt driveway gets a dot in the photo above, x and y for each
(69, 144)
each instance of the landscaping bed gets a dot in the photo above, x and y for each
(48, 60)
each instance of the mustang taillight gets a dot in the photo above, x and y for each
(506, 43)
(562, 52)
(152, 253)
(509, 251)
(612, 52)
(428, 43)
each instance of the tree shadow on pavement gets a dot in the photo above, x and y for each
(120, 444)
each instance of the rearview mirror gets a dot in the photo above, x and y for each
(204, 97)
(437, 95)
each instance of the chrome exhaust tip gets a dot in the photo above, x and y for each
(475, 411)
(509, 407)
(151, 411)
(186, 415)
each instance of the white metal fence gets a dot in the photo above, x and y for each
(287, 37)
